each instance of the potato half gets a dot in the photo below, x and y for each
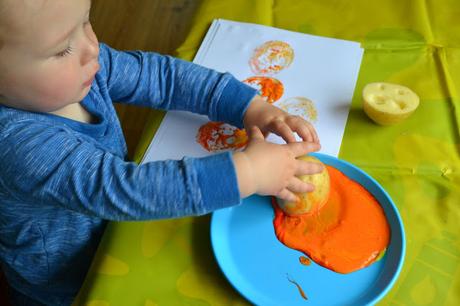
(310, 201)
(388, 104)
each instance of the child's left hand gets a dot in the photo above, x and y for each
(271, 119)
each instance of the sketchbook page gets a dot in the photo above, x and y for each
(180, 127)
(175, 137)
(306, 75)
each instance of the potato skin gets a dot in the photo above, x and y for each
(310, 201)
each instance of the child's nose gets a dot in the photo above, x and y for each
(91, 49)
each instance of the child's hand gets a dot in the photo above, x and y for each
(271, 119)
(271, 169)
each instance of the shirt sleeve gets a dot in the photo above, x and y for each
(164, 82)
(43, 165)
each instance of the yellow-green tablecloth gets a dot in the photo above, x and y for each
(411, 42)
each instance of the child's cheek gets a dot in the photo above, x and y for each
(60, 88)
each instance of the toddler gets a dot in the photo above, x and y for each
(63, 167)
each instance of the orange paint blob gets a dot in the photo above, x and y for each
(347, 234)
(220, 136)
(304, 260)
(269, 88)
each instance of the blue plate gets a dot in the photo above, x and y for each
(257, 264)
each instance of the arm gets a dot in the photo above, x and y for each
(164, 82)
(46, 165)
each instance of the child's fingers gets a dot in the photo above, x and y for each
(287, 195)
(304, 167)
(313, 131)
(301, 127)
(305, 133)
(255, 133)
(309, 129)
(281, 128)
(303, 147)
(297, 185)
(304, 129)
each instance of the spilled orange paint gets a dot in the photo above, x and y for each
(347, 234)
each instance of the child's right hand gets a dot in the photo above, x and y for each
(271, 169)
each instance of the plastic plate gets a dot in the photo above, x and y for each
(258, 265)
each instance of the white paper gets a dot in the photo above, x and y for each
(323, 70)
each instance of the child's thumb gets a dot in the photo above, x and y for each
(255, 133)
(303, 147)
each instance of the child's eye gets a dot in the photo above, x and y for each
(63, 53)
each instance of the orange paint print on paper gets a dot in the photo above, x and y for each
(269, 88)
(300, 106)
(220, 136)
(271, 57)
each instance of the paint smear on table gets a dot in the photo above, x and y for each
(271, 57)
(269, 88)
(220, 136)
(347, 234)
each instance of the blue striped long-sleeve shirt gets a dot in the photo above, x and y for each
(61, 179)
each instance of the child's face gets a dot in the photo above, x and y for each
(49, 55)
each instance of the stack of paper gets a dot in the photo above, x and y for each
(306, 75)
